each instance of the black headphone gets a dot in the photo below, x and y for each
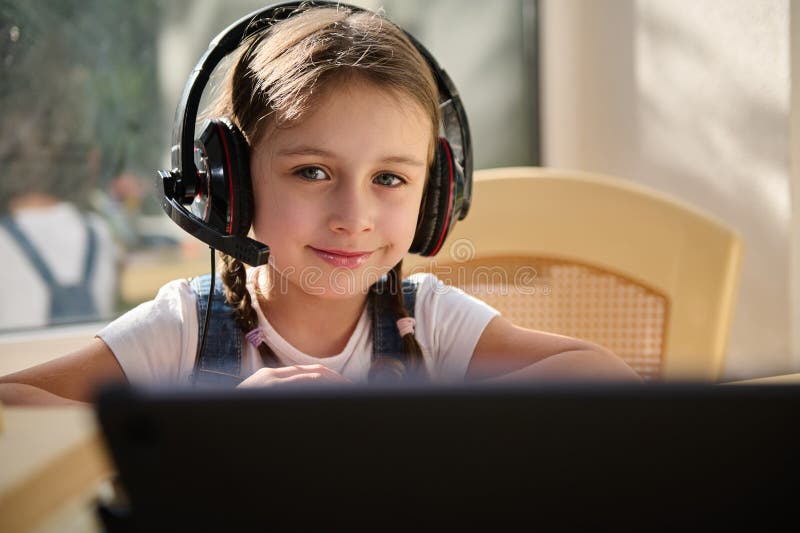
(212, 174)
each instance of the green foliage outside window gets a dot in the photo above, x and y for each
(79, 101)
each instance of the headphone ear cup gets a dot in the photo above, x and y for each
(241, 183)
(437, 212)
(228, 187)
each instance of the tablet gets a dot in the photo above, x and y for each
(630, 456)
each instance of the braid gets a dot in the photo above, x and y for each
(234, 280)
(388, 367)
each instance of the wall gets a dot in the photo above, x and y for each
(691, 97)
(794, 33)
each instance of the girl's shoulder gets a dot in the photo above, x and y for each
(180, 288)
(156, 340)
(449, 323)
(422, 281)
(169, 305)
(428, 283)
(432, 291)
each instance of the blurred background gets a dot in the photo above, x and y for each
(696, 98)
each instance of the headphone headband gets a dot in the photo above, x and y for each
(226, 42)
(231, 38)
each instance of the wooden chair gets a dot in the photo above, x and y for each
(602, 259)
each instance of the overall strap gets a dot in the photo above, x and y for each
(91, 252)
(38, 262)
(220, 363)
(386, 340)
(68, 303)
(28, 249)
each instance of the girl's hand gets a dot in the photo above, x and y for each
(287, 375)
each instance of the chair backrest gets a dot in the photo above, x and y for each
(599, 258)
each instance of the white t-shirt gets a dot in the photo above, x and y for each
(59, 235)
(155, 343)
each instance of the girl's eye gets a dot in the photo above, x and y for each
(389, 180)
(312, 173)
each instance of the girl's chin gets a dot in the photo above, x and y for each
(327, 281)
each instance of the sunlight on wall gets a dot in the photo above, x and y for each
(692, 98)
(713, 93)
(712, 81)
(794, 36)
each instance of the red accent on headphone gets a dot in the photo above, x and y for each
(449, 200)
(229, 228)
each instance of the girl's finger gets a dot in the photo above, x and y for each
(308, 376)
(287, 371)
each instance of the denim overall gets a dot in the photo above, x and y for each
(221, 362)
(68, 303)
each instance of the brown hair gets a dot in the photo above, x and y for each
(277, 76)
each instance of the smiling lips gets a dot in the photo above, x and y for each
(342, 258)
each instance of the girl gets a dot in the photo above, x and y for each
(340, 113)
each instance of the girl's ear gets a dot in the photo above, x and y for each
(442, 202)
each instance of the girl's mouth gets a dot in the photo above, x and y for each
(342, 258)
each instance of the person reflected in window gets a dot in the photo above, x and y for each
(59, 260)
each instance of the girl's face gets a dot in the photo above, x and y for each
(337, 195)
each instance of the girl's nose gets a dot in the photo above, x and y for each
(352, 210)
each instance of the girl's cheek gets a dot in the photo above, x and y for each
(270, 198)
(408, 212)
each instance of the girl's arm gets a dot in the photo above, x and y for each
(21, 394)
(73, 377)
(506, 352)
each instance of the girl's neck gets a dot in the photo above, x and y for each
(320, 327)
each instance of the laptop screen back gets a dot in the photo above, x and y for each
(414, 457)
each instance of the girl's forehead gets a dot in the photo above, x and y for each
(360, 111)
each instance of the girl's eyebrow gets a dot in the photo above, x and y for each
(310, 150)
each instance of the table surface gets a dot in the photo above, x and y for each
(784, 379)
(48, 457)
